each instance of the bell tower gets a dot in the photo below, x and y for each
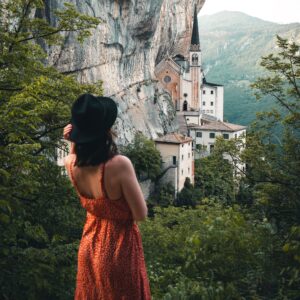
(195, 64)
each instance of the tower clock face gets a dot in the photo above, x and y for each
(167, 79)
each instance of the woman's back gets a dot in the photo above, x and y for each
(118, 181)
(88, 179)
(110, 258)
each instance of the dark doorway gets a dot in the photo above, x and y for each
(185, 105)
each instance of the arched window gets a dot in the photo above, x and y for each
(185, 105)
(195, 59)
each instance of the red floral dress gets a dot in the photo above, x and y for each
(111, 263)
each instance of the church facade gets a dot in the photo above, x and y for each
(183, 77)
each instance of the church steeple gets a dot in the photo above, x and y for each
(195, 41)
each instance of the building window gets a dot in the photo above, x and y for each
(211, 111)
(189, 170)
(167, 79)
(199, 134)
(189, 155)
(226, 136)
(204, 91)
(182, 157)
(181, 172)
(211, 92)
(212, 135)
(174, 160)
(195, 59)
(211, 148)
(182, 145)
(185, 95)
(235, 135)
(203, 103)
(187, 119)
(211, 104)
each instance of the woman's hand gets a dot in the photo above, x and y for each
(67, 131)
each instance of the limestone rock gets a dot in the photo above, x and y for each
(123, 51)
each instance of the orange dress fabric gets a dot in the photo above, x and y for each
(111, 263)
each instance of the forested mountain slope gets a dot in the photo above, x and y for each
(232, 44)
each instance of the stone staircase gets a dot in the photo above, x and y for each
(182, 123)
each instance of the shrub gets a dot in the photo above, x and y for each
(210, 252)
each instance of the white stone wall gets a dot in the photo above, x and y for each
(212, 104)
(167, 151)
(219, 107)
(205, 141)
(206, 99)
(186, 89)
(185, 166)
(184, 161)
(171, 177)
(192, 119)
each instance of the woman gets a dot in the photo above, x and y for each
(111, 262)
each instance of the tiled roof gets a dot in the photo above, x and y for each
(217, 126)
(174, 138)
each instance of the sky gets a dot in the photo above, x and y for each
(278, 11)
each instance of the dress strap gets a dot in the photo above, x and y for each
(102, 181)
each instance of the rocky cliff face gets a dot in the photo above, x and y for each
(133, 37)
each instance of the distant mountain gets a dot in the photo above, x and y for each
(232, 45)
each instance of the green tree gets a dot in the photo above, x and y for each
(273, 146)
(40, 218)
(210, 252)
(144, 156)
(164, 195)
(214, 174)
(189, 196)
(273, 157)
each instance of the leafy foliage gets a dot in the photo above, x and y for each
(214, 175)
(274, 160)
(164, 195)
(188, 196)
(40, 218)
(145, 158)
(211, 252)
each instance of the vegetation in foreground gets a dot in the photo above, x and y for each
(212, 242)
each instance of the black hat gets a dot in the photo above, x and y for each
(91, 118)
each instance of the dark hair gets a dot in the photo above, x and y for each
(96, 152)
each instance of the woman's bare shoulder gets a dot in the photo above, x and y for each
(120, 161)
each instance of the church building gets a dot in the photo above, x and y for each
(199, 103)
(183, 77)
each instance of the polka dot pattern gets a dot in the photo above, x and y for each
(111, 264)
